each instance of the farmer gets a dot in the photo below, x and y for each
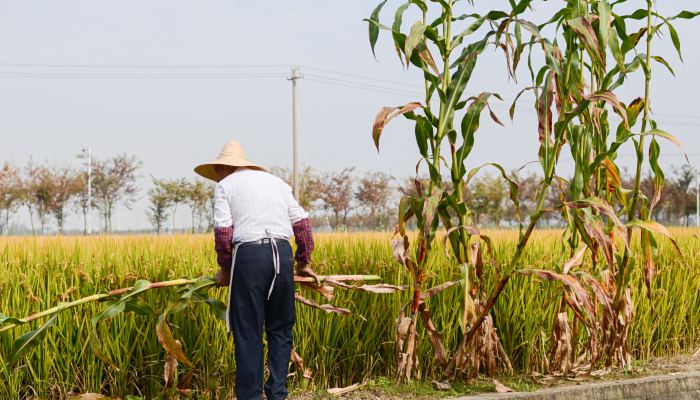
(255, 214)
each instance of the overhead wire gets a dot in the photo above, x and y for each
(667, 118)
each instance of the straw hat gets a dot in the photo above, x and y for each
(231, 154)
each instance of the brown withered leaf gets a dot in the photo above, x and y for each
(170, 369)
(561, 334)
(400, 247)
(299, 363)
(325, 307)
(325, 290)
(437, 289)
(583, 299)
(501, 388)
(167, 340)
(427, 57)
(613, 173)
(434, 336)
(575, 261)
(610, 98)
(386, 114)
(381, 288)
(602, 297)
(341, 391)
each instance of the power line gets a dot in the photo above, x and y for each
(146, 66)
(328, 71)
(37, 73)
(74, 75)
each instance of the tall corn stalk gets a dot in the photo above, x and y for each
(591, 56)
(440, 49)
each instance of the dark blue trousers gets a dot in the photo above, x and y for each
(250, 309)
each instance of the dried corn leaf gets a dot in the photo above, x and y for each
(501, 388)
(299, 363)
(380, 288)
(437, 289)
(562, 344)
(582, 298)
(341, 391)
(575, 261)
(170, 369)
(324, 290)
(325, 307)
(434, 336)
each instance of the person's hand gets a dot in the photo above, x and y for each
(305, 270)
(223, 277)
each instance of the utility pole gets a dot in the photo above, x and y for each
(295, 133)
(88, 150)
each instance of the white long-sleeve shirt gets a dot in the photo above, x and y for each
(254, 202)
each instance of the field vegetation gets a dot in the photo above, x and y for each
(41, 272)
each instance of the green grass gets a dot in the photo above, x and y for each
(40, 272)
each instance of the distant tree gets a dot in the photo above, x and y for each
(373, 194)
(83, 201)
(177, 191)
(62, 185)
(157, 211)
(527, 192)
(36, 193)
(198, 197)
(114, 182)
(336, 194)
(682, 195)
(309, 184)
(10, 194)
(489, 193)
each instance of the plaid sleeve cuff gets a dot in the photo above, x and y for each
(223, 243)
(304, 238)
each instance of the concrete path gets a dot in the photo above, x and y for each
(680, 386)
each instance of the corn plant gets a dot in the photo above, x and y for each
(588, 53)
(442, 51)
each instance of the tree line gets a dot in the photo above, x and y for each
(338, 200)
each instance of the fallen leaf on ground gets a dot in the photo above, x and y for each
(440, 385)
(501, 388)
(341, 391)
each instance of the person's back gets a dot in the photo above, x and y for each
(259, 203)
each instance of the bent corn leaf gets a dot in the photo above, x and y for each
(30, 339)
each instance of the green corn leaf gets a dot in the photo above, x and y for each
(667, 136)
(470, 124)
(615, 49)
(654, 152)
(414, 37)
(374, 27)
(465, 65)
(423, 131)
(399, 38)
(30, 339)
(665, 63)
(520, 7)
(604, 18)
(4, 319)
(675, 39)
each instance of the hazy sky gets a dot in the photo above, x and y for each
(49, 112)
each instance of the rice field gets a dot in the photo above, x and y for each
(40, 272)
